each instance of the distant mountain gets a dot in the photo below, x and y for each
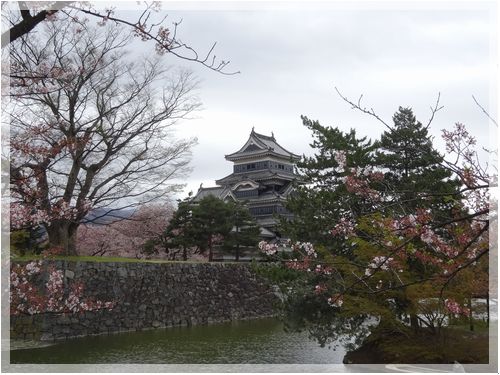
(104, 216)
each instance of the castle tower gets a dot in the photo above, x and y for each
(263, 172)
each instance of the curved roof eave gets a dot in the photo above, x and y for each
(265, 143)
(249, 155)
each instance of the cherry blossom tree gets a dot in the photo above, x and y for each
(30, 295)
(90, 127)
(23, 17)
(462, 237)
(411, 251)
(125, 237)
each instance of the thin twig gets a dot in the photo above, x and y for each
(484, 111)
(434, 110)
(358, 106)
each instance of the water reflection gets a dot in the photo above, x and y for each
(259, 342)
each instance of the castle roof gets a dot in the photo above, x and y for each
(263, 175)
(265, 186)
(217, 191)
(261, 145)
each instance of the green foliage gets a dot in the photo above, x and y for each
(415, 177)
(276, 273)
(149, 247)
(245, 231)
(25, 241)
(19, 242)
(407, 149)
(179, 232)
(208, 223)
(396, 347)
(324, 199)
(302, 310)
(306, 311)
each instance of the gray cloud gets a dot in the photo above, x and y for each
(292, 56)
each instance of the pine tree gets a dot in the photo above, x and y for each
(245, 231)
(414, 174)
(210, 223)
(322, 199)
(414, 178)
(179, 232)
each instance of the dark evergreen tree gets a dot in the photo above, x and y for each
(409, 266)
(207, 223)
(179, 232)
(322, 198)
(245, 231)
(414, 175)
(210, 223)
(414, 178)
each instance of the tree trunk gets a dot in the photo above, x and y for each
(62, 235)
(404, 303)
(210, 253)
(414, 322)
(184, 253)
(471, 321)
(237, 252)
(488, 309)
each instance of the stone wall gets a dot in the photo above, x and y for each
(153, 295)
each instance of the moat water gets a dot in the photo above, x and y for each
(262, 341)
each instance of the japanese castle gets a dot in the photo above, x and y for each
(263, 173)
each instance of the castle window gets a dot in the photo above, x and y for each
(246, 193)
(267, 210)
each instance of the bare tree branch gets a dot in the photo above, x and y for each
(434, 110)
(29, 22)
(484, 111)
(101, 134)
(358, 106)
(165, 39)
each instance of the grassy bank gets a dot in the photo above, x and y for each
(455, 344)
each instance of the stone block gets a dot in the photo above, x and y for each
(122, 272)
(47, 337)
(69, 274)
(156, 295)
(64, 319)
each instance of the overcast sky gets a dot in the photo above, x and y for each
(292, 55)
